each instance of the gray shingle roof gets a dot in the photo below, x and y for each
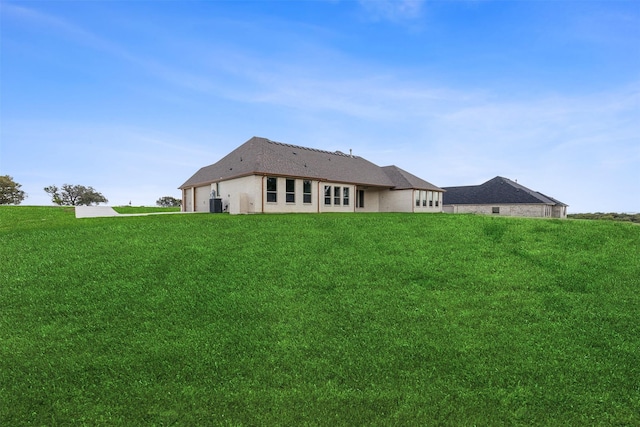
(498, 190)
(261, 156)
(403, 180)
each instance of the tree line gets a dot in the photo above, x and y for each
(611, 216)
(11, 193)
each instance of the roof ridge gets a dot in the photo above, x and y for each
(519, 187)
(403, 179)
(534, 193)
(317, 150)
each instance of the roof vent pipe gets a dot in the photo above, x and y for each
(350, 152)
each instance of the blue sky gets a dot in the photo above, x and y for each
(132, 97)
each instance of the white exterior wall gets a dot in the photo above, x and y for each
(371, 200)
(405, 201)
(332, 207)
(240, 195)
(282, 206)
(396, 201)
(202, 196)
(524, 210)
(187, 200)
(426, 196)
(249, 195)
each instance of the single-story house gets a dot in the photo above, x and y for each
(501, 196)
(264, 176)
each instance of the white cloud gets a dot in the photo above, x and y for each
(83, 37)
(568, 146)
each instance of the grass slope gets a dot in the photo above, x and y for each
(144, 209)
(355, 319)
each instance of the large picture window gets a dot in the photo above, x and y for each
(291, 190)
(272, 189)
(306, 191)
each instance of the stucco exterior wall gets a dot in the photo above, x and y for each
(405, 201)
(371, 200)
(430, 201)
(240, 195)
(187, 200)
(281, 205)
(202, 196)
(396, 201)
(332, 207)
(249, 195)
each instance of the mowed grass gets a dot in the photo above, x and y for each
(144, 209)
(354, 319)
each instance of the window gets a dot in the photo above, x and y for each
(424, 198)
(327, 195)
(272, 189)
(360, 199)
(291, 190)
(495, 210)
(306, 191)
(430, 196)
(345, 196)
(336, 196)
(417, 197)
(437, 198)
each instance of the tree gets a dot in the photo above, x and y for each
(75, 195)
(168, 202)
(10, 193)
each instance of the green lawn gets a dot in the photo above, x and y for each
(143, 209)
(354, 319)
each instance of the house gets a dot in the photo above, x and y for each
(263, 176)
(501, 196)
